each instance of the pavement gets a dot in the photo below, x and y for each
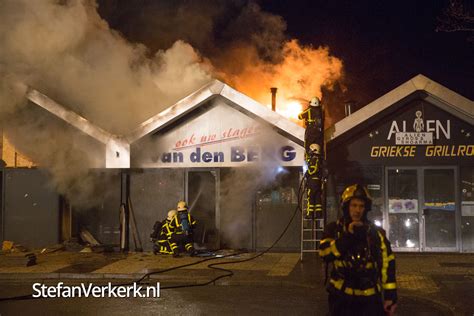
(429, 284)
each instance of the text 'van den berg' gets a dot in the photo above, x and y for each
(236, 154)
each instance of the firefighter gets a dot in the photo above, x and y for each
(314, 122)
(314, 181)
(181, 230)
(362, 280)
(161, 234)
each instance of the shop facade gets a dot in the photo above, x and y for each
(235, 162)
(414, 149)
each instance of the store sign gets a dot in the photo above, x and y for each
(237, 154)
(428, 151)
(411, 136)
(419, 136)
(221, 137)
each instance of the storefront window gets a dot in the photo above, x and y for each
(368, 175)
(439, 208)
(403, 208)
(467, 208)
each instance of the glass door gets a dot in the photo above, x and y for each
(421, 208)
(403, 190)
(438, 212)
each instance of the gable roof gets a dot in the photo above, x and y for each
(207, 92)
(116, 151)
(69, 116)
(436, 93)
(117, 147)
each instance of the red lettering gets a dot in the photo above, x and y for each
(244, 132)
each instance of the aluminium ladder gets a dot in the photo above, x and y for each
(311, 233)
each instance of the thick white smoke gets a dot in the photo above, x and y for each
(65, 50)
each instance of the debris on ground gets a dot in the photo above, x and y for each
(229, 253)
(86, 249)
(204, 253)
(87, 237)
(19, 248)
(52, 249)
(18, 259)
(72, 245)
(11, 247)
(7, 245)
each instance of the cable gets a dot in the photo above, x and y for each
(228, 273)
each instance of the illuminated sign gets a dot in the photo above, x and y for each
(429, 151)
(413, 138)
(421, 138)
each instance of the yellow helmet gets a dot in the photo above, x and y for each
(356, 191)
(182, 206)
(171, 214)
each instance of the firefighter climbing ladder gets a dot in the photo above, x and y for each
(311, 233)
(312, 228)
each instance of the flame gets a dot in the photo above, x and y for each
(289, 109)
(300, 75)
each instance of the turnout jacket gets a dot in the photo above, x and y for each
(363, 262)
(176, 226)
(165, 232)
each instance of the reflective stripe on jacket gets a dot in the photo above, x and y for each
(372, 276)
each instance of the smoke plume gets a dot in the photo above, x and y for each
(117, 63)
(66, 50)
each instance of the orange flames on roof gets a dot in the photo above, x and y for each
(300, 75)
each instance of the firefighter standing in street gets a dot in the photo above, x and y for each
(161, 234)
(362, 280)
(181, 230)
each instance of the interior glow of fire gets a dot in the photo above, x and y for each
(288, 108)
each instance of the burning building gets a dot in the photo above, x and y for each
(238, 165)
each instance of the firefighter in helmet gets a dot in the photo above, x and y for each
(362, 280)
(161, 234)
(314, 181)
(181, 230)
(314, 122)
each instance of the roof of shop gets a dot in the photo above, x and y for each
(211, 90)
(436, 94)
(117, 143)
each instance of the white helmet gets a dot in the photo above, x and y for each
(315, 148)
(315, 101)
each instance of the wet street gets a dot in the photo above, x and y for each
(209, 300)
(275, 283)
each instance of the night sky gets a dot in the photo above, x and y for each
(382, 43)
